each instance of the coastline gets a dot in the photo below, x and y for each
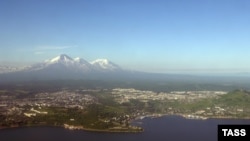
(190, 116)
(130, 129)
(71, 127)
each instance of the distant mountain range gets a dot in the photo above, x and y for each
(7, 69)
(66, 63)
(64, 67)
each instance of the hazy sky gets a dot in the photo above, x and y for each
(148, 35)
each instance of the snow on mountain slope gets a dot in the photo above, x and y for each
(81, 61)
(64, 62)
(61, 59)
(7, 69)
(104, 65)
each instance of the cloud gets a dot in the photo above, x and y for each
(44, 48)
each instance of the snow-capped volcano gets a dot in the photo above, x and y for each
(65, 67)
(105, 65)
(80, 60)
(64, 62)
(61, 58)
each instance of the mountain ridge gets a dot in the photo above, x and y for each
(78, 64)
(65, 67)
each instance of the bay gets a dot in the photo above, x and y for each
(166, 128)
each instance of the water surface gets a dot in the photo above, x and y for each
(167, 128)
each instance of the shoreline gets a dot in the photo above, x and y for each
(130, 129)
(71, 127)
(190, 116)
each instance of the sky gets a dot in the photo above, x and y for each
(146, 35)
